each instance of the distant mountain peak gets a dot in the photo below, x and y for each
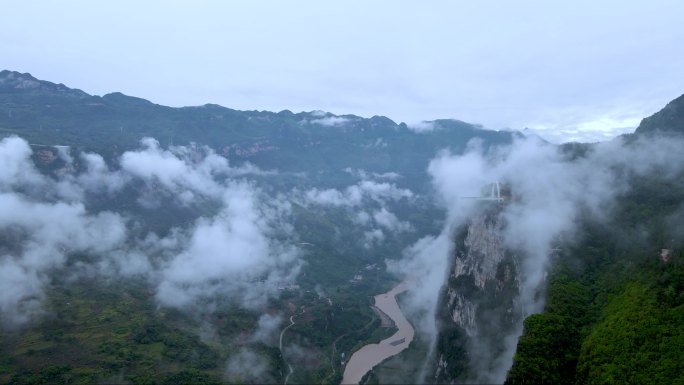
(120, 97)
(14, 81)
(382, 121)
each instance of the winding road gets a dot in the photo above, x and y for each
(281, 348)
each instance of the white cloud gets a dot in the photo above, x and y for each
(98, 178)
(232, 254)
(390, 222)
(247, 366)
(177, 168)
(268, 329)
(361, 218)
(364, 175)
(373, 237)
(47, 234)
(426, 264)
(387, 175)
(423, 126)
(355, 194)
(383, 191)
(330, 197)
(64, 153)
(363, 196)
(600, 129)
(330, 121)
(229, 254)
(16, 169)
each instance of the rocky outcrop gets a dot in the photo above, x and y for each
(479, 302)
(24, 82)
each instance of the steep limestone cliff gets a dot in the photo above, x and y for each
(479, 303)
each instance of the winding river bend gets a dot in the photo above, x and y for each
(366, 358)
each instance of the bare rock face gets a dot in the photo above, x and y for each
(479, 303)
(46, 156)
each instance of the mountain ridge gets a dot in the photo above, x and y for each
(670, 119)
(15, 81)
(47, 113)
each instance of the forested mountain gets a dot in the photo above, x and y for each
(168, 200)
(615, 299)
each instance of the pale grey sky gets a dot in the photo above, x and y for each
(571, 70)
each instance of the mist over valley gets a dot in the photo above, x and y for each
(143, 243)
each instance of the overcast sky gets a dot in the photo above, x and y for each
(575, 69)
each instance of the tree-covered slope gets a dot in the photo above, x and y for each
(622, 322)
(615, 299)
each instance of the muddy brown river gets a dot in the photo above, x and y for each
(366, 358)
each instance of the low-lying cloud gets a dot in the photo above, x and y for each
(330, 121)
(230, 253)
(180, 170)
(40, 237)
(423, 126)
(267, 330)
(247, 366)
(367, 202)
(390, 222)
(354, 195)
(365, 175)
